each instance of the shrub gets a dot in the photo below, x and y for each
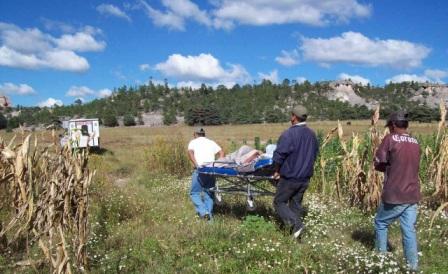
(14, 122)
(129, 120)
(109, 120)
(169, 117)
(3, 121)
(203, 116)
(169, 156)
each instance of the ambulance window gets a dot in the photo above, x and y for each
(84, 130)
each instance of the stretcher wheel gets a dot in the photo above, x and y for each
(250, 205)
(218, 198)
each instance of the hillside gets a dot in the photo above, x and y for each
(265, 102)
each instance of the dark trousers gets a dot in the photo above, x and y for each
(288, 201)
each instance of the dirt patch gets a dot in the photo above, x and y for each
(121, 182)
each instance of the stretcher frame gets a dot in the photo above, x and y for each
(238, 183)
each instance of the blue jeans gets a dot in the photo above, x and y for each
(200, 193)
(407, 213)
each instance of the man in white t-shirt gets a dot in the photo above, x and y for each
(202, 150)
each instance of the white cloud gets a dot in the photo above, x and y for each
(83, 91)
(188, 9)
(80, 41)
(188, 84)
(355, 48)
(300, 80)
(225, 14)
(271, 76)
(12, 58)
(408, 78)
(111, 10)
(50, 102)
(251, 12)
(436, 74)
(288, 58)
(65, 60)
(33, 49)
(355, 78)
(21, 89)
(144, 67)
(103, 93)
(430, 75)
(79, 91)
(176, 13)
(168, 19)
(203, 67)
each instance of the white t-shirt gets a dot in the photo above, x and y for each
(204, 150)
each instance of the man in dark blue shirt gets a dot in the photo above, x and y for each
(294, 158)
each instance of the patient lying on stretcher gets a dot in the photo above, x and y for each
(244, 158)
(244, 155)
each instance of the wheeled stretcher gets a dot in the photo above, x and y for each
(230, 179)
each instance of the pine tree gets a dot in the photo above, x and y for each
(129, 120)
(3, 121)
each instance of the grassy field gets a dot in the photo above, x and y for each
(238, 133)
(152, 219)
(143, 221)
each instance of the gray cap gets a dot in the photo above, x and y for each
(199, 130)
(299, 111)
(397, 116)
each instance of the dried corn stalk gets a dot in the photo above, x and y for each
(362, 182)
(374, 178)
(438, 169)
(49, 201)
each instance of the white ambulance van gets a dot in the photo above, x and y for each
(84, 133)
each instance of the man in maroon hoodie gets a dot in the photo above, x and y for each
(399, 158)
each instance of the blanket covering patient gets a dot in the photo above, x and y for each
(243, 156)
(243, 159)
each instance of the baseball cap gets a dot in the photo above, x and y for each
(299, 111)
(199, 130)
(397, 116)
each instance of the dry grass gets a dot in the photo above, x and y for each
(141, 136)
(168, 156)
(46, 202)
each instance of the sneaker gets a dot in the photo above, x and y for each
(206, 217)
(298, 231)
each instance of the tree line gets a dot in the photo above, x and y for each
(265, 102)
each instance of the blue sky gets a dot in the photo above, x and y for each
(58, 51)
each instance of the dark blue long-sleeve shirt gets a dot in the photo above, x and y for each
(296, 152)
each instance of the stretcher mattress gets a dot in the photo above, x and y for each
(262, 167)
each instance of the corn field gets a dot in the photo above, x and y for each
(345, 170)
(45, 197)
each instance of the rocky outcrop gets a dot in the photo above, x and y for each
(431, 95)
(344, 91)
